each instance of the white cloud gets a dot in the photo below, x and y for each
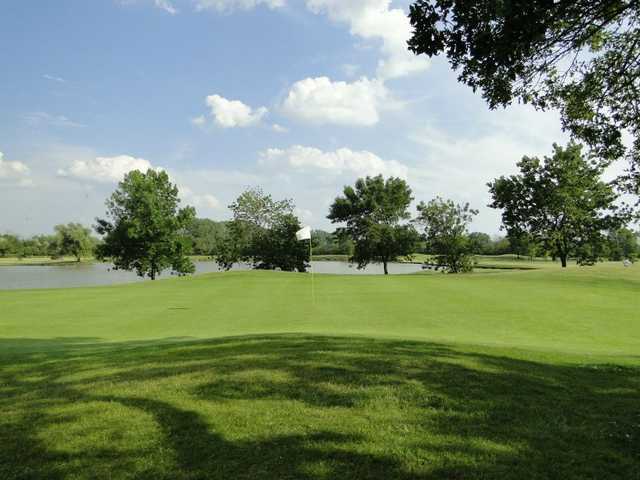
(230, 5)
(207, 200)
(350, 70)
(14, 171)
(322, 101)
(279, 128)
(106, 169)
(374, 19)
(37, 119)
(167, 6)
(53, 78)
(199, 121)
(342, 160)
(232, 113)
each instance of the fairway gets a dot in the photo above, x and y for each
(509, 374)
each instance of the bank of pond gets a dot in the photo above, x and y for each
(84, 274)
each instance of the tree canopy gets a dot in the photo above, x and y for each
(579, 56)
(373, 213)
(561, 202)
(263, 233)
(446, 231)
(146, 230)
(73, 239)
(207, 236)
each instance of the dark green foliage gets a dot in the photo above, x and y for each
(36, 246)
(263, 233)
(480, 243)
(560, 202)
(278, 247)
(373, 213)
(579, 56)
(524, 244)
(326, 243)
(72, 239)
(207, 236)
(445, 228)
(146, 231)
(623, 244)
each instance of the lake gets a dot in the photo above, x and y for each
(93, 274)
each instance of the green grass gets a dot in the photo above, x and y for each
(40, 261)
(241, 375)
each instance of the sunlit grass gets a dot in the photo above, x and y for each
(516, 375)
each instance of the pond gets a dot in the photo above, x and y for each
(93, 274)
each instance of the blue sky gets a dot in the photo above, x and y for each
(298, 96)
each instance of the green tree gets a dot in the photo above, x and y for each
(373, 213)
(523, 244)
(561, 202)
(262, 233)
(623, 244)
(445, 228)
(206, 236)
(579, 56)
(480, 243)
(327, 243)
(9, 245)
(146, 230)
(70, 239)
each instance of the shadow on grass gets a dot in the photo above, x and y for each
(308, 407)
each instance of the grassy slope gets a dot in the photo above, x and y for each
(500, 375)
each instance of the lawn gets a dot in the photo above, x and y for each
(514, 374)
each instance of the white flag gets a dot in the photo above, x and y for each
(304, 233)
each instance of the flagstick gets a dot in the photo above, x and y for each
(313, 290)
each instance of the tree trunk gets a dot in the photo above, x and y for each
(386, 271)
(563, 259)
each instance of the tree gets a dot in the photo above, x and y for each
(579, 56)
(445, 227)
(480, 243)
(327, 243)
(146, 231)
(561, 202)
(623, 244)
(70, 239)
(372, 213)
(206, 236)
(8, 245)
(263, 233)
(523, 244)
(278, 247)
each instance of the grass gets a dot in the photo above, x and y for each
(40, 261)
(241, 375)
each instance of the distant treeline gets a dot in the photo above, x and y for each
(208, 237)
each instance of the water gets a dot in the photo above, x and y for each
(93, 274)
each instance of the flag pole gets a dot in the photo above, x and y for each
(313, 291)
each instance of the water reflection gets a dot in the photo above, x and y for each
(93, 274)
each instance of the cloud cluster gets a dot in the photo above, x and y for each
(14, 172)
(36, 119)
(166, 5)
(105, 169)
(206, 201)
(376, 20)
(322, 101)
(338, 162)
(231, 113)
(230, 5)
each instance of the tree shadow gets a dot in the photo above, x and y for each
(343, 407)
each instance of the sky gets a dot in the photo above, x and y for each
(300, 97)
